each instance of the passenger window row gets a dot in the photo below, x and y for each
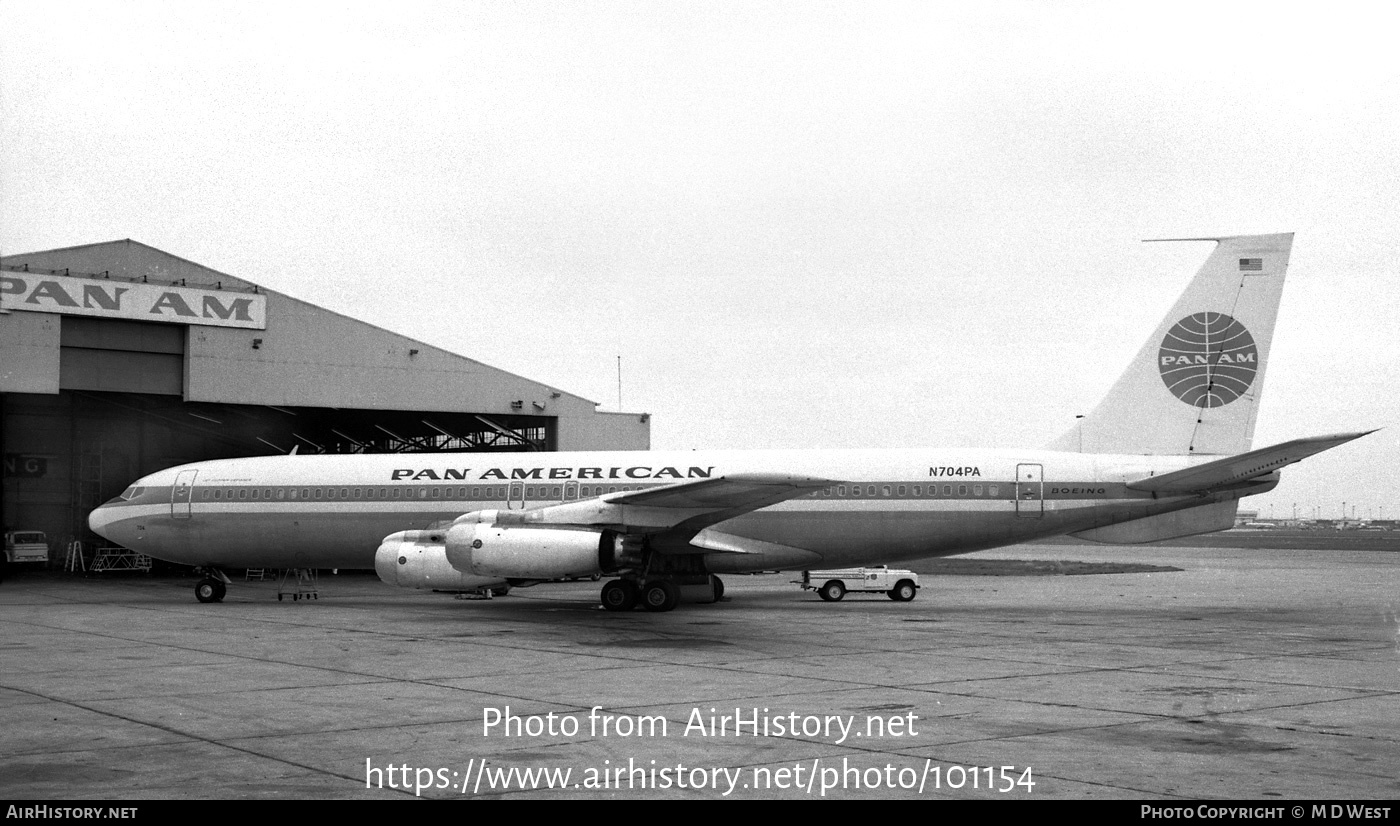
(489, 492)
(906, 491)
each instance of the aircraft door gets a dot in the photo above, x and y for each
(182, 494)
(1030, 490)
(517, 496)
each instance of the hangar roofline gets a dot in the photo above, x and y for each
(6, 262)
(132, 242)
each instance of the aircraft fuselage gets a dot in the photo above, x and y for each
(332, 511)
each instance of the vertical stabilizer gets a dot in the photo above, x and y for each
(1194, 387)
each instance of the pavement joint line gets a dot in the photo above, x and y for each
(186, 736)
(1184, 673)
(507, 645)
(1162, 716)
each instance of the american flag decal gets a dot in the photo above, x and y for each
(1251, 265)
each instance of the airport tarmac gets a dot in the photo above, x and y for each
(1248, 674)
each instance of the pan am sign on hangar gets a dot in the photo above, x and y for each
(111, 298)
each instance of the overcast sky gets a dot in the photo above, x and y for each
(800, 224)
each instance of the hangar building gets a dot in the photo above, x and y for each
(118, 360)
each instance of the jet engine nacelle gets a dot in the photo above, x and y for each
(517, 552)
(418, 559)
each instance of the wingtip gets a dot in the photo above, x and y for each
(1342, 436)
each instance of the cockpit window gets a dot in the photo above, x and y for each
(131, 493)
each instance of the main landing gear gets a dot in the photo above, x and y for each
(659, 594)
(210, 589)
(619, 595)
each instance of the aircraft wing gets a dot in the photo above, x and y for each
(717, 500)
(681, 509)
(749, 491)
(1242, 467)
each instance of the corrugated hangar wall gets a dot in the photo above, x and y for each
(118, 359)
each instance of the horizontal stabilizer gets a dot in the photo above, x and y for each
(1232, 470)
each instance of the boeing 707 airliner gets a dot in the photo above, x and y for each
(1167, 453)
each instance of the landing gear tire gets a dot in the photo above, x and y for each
(619, 595)
(903, 591)
(833, 591)
(660, 595)
(719, 587)
(209, 590)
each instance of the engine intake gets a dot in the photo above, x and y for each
(418, 559)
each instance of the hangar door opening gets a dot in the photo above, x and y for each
(67, 453)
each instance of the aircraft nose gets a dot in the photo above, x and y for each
(104, 521)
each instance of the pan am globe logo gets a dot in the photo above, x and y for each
(1208, 359)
